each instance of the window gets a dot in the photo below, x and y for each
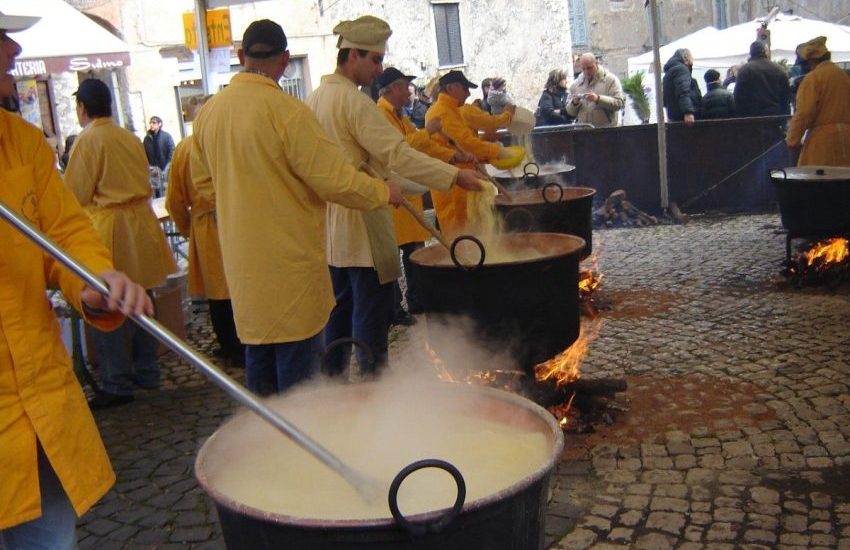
(293, 79)
(721, 20)
(578, 23)
(661, 38)
(447, 24)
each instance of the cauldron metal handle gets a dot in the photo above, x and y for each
(436, 525)
(784, 174)
(547, 186)
(457, 262)
(370, 355)
(526, 172)
(519, 213)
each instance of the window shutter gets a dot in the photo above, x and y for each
(578, 23)
(447, 24)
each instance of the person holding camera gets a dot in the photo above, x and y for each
(596, 96)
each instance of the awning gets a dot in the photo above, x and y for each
(64, 40)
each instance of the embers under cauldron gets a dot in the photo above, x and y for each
(814, 201)
(551, 209)
(530, 305)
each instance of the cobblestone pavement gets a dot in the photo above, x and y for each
(733, 433)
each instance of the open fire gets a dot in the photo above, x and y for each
(825, 262)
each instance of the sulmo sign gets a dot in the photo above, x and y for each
(76, 63)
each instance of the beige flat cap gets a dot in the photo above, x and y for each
(813, 49)
(364, 33)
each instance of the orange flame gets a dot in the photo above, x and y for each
(830, 251)
(564, 367)
(588, 282)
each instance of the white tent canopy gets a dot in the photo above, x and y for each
(721, 49)
(64, 40)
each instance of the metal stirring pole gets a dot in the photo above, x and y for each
(369, 489)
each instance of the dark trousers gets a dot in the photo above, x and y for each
(221, 317)
(411, 276)
(363, 309)
(274, 368)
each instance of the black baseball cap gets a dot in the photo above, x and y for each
(93, 92)
(456, 76)
(390, 75)
(263, 38)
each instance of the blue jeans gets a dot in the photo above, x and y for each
(56, 528)
(126, 355)
(274, 368)
(363, 310)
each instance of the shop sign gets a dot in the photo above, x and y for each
(77, 63)
(218, 29)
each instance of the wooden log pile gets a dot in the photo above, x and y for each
(618, 211)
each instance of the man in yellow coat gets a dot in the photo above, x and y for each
(193, 213)
(454, 90)
(274, 170)
(108, 173)
(394, 91)
(55, 466)
(362, 253)
(821, 123)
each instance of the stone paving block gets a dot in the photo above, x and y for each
(621, 535)
(795, 523)
(630, 518)
(667, 504)
(669, 522)
(701, 443)
(693, 533)
(639, 489)
(102, 526)
(795, 539)
(792, 461)
(759, 536)
(720, 532)
(763, 495)
(596, 523)
(579, 539)
(654, 541)
(636, 502)
(820, 500)
(191, 534)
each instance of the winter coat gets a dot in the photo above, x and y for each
(604, 112)
(762, 89)
(823, 114)
(159, 148)
(680, 91)
(717, 102)
(549, 103)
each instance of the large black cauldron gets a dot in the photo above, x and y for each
(814, 201)
(510, 519)
(551, 209)
(530, 306)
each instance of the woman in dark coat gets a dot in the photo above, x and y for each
(551, 109)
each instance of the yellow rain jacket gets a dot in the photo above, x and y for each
(108, 173)
(479, 119)
(367, 239)
(39, 393)
(273, 169)
(407, 229)
(451, 206)
(823, 109)
(193, 214)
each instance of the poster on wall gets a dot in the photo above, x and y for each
(28, 98)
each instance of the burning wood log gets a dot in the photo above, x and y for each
(617, 210)
(581, 390)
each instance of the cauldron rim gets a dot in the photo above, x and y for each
(431, 255)
(526, 197)
(554, 432)
(811, 174)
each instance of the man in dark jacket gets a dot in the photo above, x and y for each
(159, 146)
(717, 102)
(680, 91)
(762, 87)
